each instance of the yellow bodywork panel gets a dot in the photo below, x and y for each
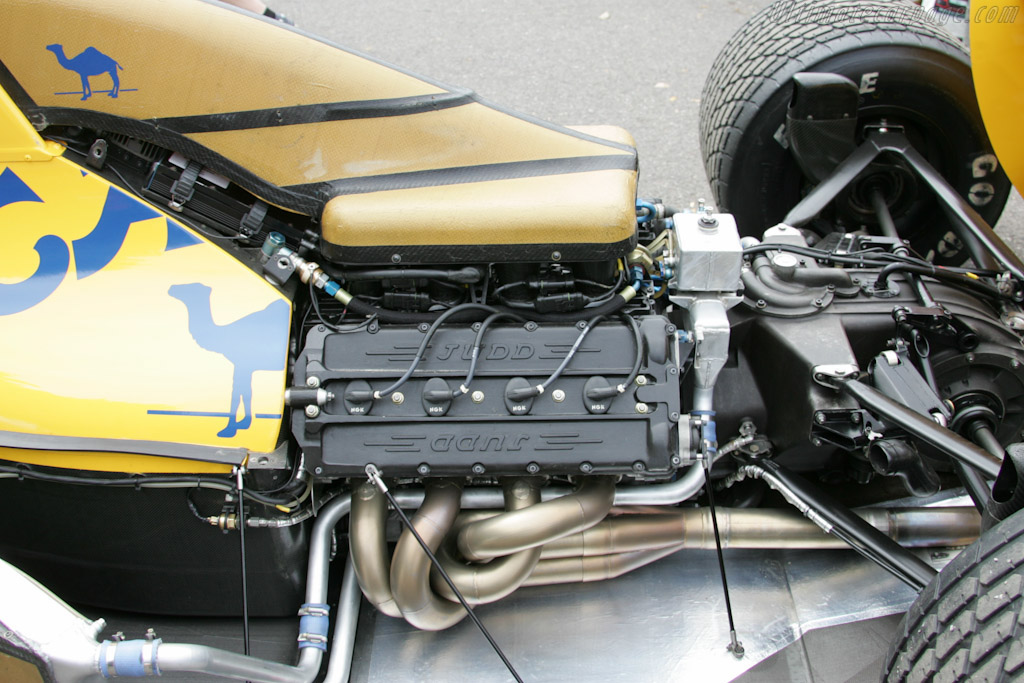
(19, 141)
(180, 58)
(298, 122)
(449, 138)
(997, 58)
(525, 210)
(123, 331)
(130, 463)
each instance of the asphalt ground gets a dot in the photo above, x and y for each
(639, 65)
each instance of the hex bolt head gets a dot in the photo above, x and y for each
(586, 467)
(819, 418)
(641, 380)
(533, 468)
(478, 469)
(557, 395)
(556, 256)
(312, 411)
(313, 381)
(423, 469)
(318, 470)
(642, 408)
(398, 398)
(639, 466)
(707, 221)
(477, 396)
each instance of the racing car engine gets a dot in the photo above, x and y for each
(577, 392)
(722, 334)
(580, 424)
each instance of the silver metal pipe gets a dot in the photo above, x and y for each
(926, 527)
(686, 486)
(340, 664)
(68, 640)
(216, 662)
(622, 534)
(410, 566)
(670, 493)
(318, 567)
(752, 528)
(483, 583)
(536, 525)
(583, 569)
(368, 547)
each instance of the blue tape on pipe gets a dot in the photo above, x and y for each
(314, 625)
(103, 659)
(711, 432)
(128, 659)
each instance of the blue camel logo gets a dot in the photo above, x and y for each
(93, 252)
(89, 62)
(246, 342)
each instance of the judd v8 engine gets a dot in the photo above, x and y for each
(434, 424)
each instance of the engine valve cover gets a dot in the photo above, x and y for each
(484, 432)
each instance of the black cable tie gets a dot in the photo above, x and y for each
(252, 221)
(185, 186)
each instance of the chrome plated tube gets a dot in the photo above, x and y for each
(512, 532)
(340, 664)
(752, 528)
(623, 534)
(926, 527)
(686, 486)
(369, 547)
(203, 659)
(483, 583)
(583, 569)
(216, 662)
(410, 566)
(319, 563)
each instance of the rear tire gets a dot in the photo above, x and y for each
(965, 625)
(911, 73)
